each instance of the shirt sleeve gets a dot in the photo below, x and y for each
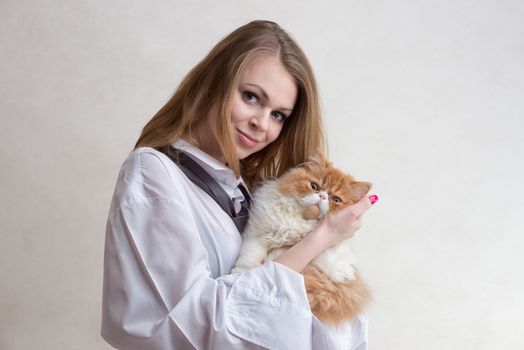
(159, 293)
(359, 332)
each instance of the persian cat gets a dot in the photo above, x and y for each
(286, 209)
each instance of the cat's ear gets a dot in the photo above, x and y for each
(318, 158)
(359, 189)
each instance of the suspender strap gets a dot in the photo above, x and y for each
(208, 184)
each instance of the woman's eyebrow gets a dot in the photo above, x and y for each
(262, 91)
(264, 94)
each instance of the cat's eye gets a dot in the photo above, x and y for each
(314, 186)
(337, 200)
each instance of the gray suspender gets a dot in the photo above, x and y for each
(208, 184)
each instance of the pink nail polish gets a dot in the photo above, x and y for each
(373, 198)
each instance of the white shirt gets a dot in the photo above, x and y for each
(169, 249)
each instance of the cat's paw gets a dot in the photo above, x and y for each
(274, 253)
(311, 212)
(237, 269)
(342, 273)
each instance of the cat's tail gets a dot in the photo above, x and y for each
(335, 302)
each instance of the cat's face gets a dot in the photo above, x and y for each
(320, 188)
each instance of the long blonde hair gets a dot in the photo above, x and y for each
(214, 80)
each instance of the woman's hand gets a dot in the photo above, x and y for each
(330, 231)
(342, 225)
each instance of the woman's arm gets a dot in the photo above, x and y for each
(330, 231)
(158, 289)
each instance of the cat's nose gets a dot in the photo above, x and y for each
(323, 195)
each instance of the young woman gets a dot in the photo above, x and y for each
(247, 112)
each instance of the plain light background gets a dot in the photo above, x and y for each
(423, 98)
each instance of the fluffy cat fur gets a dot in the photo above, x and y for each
(284, 211)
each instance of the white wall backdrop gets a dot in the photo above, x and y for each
(423, 98)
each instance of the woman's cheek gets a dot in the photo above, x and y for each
(275, 131)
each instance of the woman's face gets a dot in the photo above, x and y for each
(264, 98)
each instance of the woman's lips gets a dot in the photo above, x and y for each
(247, 140)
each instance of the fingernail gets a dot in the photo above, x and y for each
(373, 198)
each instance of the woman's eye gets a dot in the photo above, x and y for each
(250, 97)
(314, 186)
(337, 199)
(279, 116)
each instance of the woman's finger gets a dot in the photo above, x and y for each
(354, 211)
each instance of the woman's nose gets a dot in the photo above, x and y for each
(260, 120)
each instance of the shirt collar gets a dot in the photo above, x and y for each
(220, 172)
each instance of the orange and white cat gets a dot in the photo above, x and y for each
(288, 208)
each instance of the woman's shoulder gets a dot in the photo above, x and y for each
(148, 173)
(148, 161)
(141, 162)
(144, 156)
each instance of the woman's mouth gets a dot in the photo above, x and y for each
(247, 140)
